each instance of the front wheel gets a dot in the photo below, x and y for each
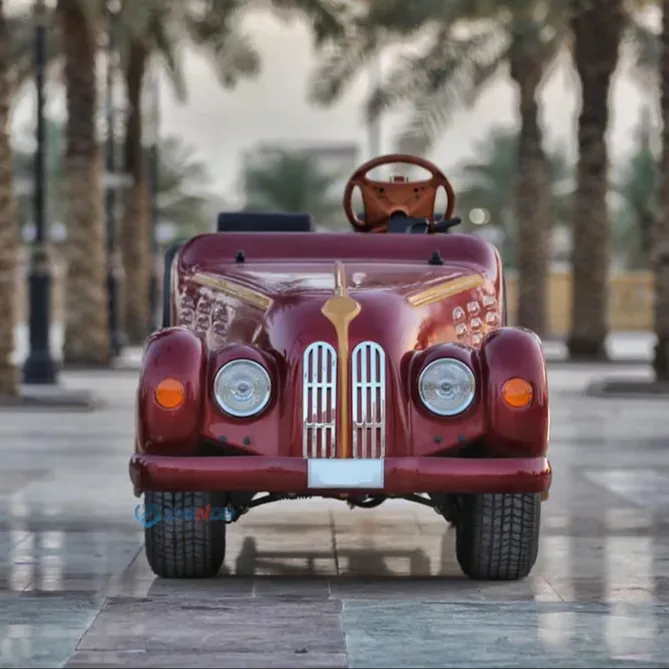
(180, 541)
(497, 535)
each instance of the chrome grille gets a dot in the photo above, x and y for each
(319, 401)
(368, 381)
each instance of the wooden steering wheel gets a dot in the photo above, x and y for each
(382, 199)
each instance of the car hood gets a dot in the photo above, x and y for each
(283, 306)
(284, 280)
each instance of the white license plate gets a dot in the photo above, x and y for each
(345, 473)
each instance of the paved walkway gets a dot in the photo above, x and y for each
(313, 584)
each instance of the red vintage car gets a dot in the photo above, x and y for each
(359, 367)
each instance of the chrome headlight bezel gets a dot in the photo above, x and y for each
(265, 394)
(466, 375)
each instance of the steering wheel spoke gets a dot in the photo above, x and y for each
(383, 199)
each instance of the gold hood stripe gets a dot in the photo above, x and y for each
(445, 289)
(232, 289)
(340, 310)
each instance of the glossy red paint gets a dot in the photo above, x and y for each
(431, 432)
(216, 252)
(180, 354)
(254, 435)
(506, 353)
(290, 277)
(402, 475)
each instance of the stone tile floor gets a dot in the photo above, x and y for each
(314, 584)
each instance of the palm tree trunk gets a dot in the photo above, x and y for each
(661, 232)
(597, 27)
(86, 327)
(9, 246)
(532, 195)
(136, 226)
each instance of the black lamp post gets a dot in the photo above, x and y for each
(113, 271)
(154, 176)
(40, 366)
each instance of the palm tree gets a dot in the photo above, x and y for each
(86, 321)
(661, 232)
(293, 182)
(597, 26)
(157, 31)
(449, 69)
(153, 35)
(487, 183)
(9, 378)
(450, 72)
(182, 198)
(635, 186)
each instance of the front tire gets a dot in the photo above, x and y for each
(497, 535)
(181, 545)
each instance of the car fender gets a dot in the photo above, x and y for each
(179, 354)
(507, 353)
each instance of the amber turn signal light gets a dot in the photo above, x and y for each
(517, 393)
(170, 394)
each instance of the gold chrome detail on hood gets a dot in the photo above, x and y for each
(340, 283)
(340, 310)
(445, 289)
(243, 293)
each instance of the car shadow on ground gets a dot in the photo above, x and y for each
(285, 573)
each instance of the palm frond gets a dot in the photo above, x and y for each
(217, 32)
(340, 64)
(399, 18)
(234, 57)
(185, 211)
(181, 167)
(290, 181)
(168, 46)
(447, 76)
(137, 16)
(382, 24)
(327, 18)
(643, 44)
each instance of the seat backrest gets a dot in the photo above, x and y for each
(248, 221)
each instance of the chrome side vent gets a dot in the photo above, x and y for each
(368, 379)
(319, 401)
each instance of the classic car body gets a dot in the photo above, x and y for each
(372, 366)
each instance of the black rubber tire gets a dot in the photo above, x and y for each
(180, 547)
(497, 535)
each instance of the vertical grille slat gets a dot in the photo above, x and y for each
(368, 379)
(319, 401)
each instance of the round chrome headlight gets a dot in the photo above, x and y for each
(242, 388)
(446, 387)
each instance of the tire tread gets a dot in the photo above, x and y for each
(182, 548)
(497, 535)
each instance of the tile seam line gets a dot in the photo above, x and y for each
(102, 605)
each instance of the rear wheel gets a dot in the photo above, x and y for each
(181, 544)
(497, 535)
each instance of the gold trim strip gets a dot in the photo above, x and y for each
(243, 293)
(340, 285)
(340, 310)
(444, 290)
